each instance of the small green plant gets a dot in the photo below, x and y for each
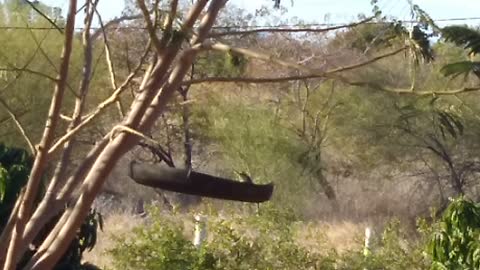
(455, 243)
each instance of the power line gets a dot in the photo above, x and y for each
(251, 27)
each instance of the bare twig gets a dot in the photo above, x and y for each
(287, 30)
(111, 68)
(27, 70)
(113, 22)
(33, 5)
(369, 61)
(18, 124)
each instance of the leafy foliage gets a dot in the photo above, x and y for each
(15, 165)
(454, 244)
(463, 36)
(461, 68)
(469, 39)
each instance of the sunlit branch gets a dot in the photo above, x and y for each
(41, 158)
(111, 68)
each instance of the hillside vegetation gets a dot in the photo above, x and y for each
(371, 124)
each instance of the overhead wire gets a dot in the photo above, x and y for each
(252, 27)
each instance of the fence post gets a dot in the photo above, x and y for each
(200, 230)
(367, 247)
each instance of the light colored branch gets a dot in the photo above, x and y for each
(41, 158)
(257, 55)
(113, 22)
(19, 125)
(287, 30)
(313, 73)
(84, 86)
(111, 68)
(367, 62)
(14, 116)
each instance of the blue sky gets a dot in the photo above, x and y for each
(337, 11)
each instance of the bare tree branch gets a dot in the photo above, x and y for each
(113, 22)
(6, 237)
(286, 30)
(18, 124)
(41, 158)
(104, 163)
(111, 68)
(84, 86)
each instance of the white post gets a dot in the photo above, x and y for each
(200, 230)
(366, 249)
(368, 235)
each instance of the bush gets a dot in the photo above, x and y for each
(159, 245)
(455, 240)
(267, 241)
(255, 242)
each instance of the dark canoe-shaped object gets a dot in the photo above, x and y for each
(195, 183)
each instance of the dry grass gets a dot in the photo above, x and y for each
(323, 237)
(114, 224)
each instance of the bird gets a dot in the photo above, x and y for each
(244, 177)
(276, 3)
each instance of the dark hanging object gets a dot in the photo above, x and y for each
(276, 3)
(195, 183)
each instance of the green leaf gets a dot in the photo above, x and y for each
(461, 68)
(463, 36)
